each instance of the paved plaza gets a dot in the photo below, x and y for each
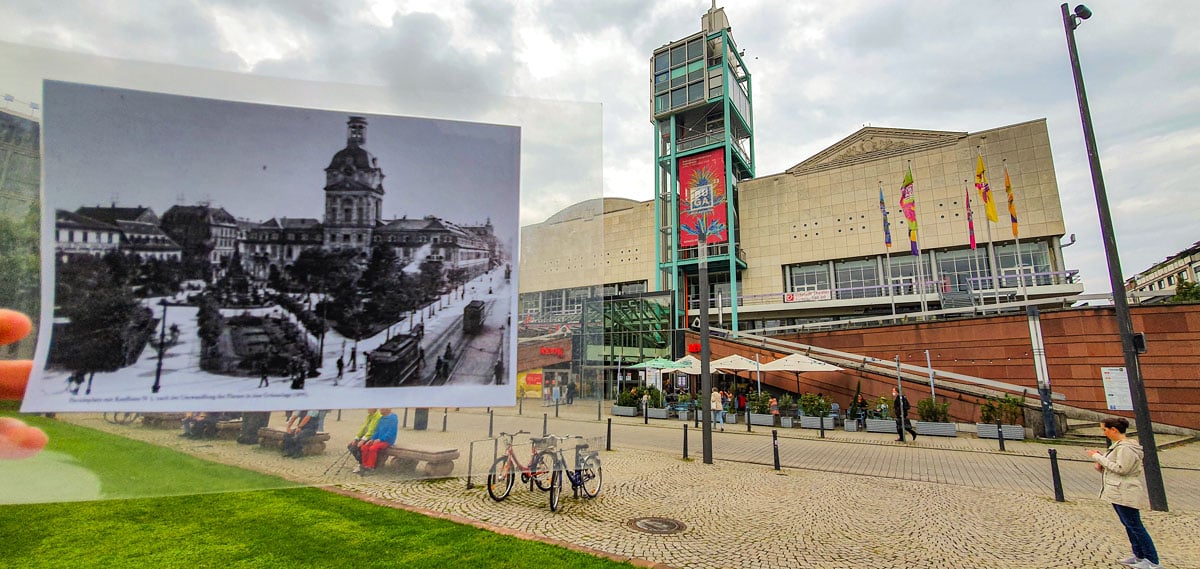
(850, 500)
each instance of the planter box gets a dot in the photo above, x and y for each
(815, 422)
(623, 411)
(786, 422)
(731, 418)
(684, 415)
(881, 426)
(1011, 432)
(936, 429)
(764, 420)
(851, 425)
(657, 413)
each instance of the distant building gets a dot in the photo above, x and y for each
(1160, 280)
(204, 232)
(20, 164)
(81, 235)
(353, 193)
(140, 231)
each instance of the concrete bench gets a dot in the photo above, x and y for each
(433, 463)
(163, 420)
(229, 430)
(272, 438)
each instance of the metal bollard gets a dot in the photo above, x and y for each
(544, 419)
(821, 424)
(646, 413)
(406, 417)
(1000, 435)
(608, 438)
(470, 464)
(521, 405)
(697, 413)
(555, 408)
(748, 420)
(775, 444)
(685, 441)
(491, 423)
(1058, 489)
(445, 410)
(599, 405)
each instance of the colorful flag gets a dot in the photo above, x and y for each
(887, 227)
(985, 191)
(909, 205)
(1012, 206)
(970, 217)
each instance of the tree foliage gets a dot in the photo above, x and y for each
(1186, 291)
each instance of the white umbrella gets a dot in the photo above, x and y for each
(736, 362)
(798, 363)
(690, 363)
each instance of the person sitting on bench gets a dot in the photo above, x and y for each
(301, 427)
(362, 436)
(384, 437)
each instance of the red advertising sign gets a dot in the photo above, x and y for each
(551, 351)
(702, 199)
(533, 379)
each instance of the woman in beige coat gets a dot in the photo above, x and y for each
(1121, 468)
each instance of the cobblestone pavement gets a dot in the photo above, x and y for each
(851, 500)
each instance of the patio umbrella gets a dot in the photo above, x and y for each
(691, 365)
(798, 363)
(735, 362)
(657, 363)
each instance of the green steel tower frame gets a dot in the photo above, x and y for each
(701, 109)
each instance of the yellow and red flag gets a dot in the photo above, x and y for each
(985, 191)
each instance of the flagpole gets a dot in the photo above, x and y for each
(973, 258)
(920, 269)
(991, 247)
(1012, 208)
(887, 249)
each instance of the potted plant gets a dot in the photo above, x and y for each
(879, 418)
(1005, 411)
(731, 414)
(627, 404)
(787, 411)
(934, 419)
(816, 411)
(657, 408)
(760, 409)
(684, 408)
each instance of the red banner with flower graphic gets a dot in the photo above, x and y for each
(702, 199)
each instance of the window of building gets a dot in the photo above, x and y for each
(813, 276)
(963, 270)
(1035, 259)
(857, 278)
(904, 273)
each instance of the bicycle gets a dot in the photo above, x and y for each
(121, 418)
(502, 475)
(586, 476)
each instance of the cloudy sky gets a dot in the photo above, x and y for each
(821, 70)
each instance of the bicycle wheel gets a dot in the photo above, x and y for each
(540, 469)
(500, 479)
(556, 484)
(590, 476)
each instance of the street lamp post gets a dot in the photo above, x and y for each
(705, 351)
(162, 347)
(1137, 389)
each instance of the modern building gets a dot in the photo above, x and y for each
(824, 240)
(20, 163)
(1159, 281)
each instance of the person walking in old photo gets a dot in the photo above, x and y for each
(1121, 485)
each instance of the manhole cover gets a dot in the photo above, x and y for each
(657, 526)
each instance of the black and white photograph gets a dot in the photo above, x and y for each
(237, 256)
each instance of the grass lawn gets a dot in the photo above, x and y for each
(288, 527)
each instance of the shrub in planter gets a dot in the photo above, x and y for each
(931, 411)
(814, 405)
(627, 399)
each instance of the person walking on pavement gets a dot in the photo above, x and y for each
(341, 366)
(263, 381)
(354, 358)
(1121, 485)
(900, 407)
(718, 410)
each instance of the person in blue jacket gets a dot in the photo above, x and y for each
(383, 437)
